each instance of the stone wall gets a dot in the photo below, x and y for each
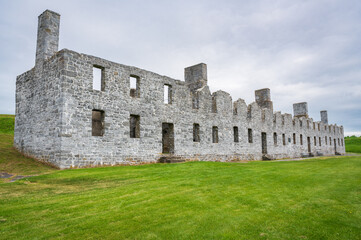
(39, 111)
(55, 101)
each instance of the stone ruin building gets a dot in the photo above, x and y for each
(65, 117)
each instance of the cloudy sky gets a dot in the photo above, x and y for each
(302, 50)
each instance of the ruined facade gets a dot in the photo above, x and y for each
(131, 115)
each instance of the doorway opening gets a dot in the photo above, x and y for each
(168, 138)
(309, 144)
(264, 143)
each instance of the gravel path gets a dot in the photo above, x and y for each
(13, 177)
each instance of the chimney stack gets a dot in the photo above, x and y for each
(324, 117)
(263, 98)
(48, 36)
(196, 76)
(300, 109)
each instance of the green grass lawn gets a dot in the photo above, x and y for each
(309, 199)
(7, 123)
(353, 144)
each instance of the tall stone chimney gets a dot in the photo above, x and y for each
(196, 76)
(300, 109)
(324, 117)
(48, 36)
(263, 98)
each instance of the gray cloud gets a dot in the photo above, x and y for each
(302, 50)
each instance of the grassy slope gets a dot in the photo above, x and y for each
(311, 199)
(11, 161)
(7, 123)
(353, 144)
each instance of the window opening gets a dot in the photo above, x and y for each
(214, 104)
(167, 94)
(275, 139)
(215, 134)
(134, 126)
(196, 137)
(250, 137)
(97, 123)
(134, 86)
(98, 78)
(294, 138)
(235, 134)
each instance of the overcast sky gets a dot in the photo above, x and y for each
(302, 50)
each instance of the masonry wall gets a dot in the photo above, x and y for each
(38, 111)
(80, 148)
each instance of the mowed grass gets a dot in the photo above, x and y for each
(353, 144)
(11, 161)
(7, 123)
(309, 199)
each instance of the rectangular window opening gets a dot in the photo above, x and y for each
(250, 137)
(235, 110)
(134, 86)
(235, 134)
(249, 111)
(275, 139)
(315, 140)
(98, 78)
(325, 140)
(294, 138)
(134, 125)
(196, 137)
(319, 141)
(330, 141)
(301, 139)
(195, 100)
(215, 134)
(264, 142)
(97, 122)
(214, 104)
(167, 94)
(284, 139)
